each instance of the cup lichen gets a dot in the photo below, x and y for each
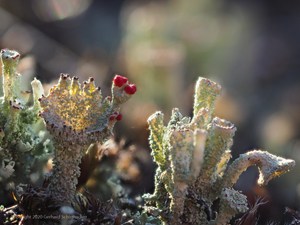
(192, 155)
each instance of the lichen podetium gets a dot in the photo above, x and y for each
(77, 115)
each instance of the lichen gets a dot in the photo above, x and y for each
(77, 116)
(192, 155)
(24, 144)
(270, 166)
(193, 181)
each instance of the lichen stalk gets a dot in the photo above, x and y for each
(11, 79)
(38, 91)
(181, 152)
(269, 166)
(206, 93)
(200, 137)
(219, 140)
(66, 161)
(156, 127)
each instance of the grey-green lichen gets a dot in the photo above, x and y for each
(24, 144)
(193, 181)
(192, 155)
(77, 116)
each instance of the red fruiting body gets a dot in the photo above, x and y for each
(112, 117)
(119, 117)
(115, 116)
(130, 89)
(119, 81)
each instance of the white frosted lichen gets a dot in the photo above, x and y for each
(192, 155)
(19, 125)
(269, 166)
(10, 76)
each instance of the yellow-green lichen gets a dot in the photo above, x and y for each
(77, 115)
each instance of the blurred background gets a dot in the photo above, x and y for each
(251, 47)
